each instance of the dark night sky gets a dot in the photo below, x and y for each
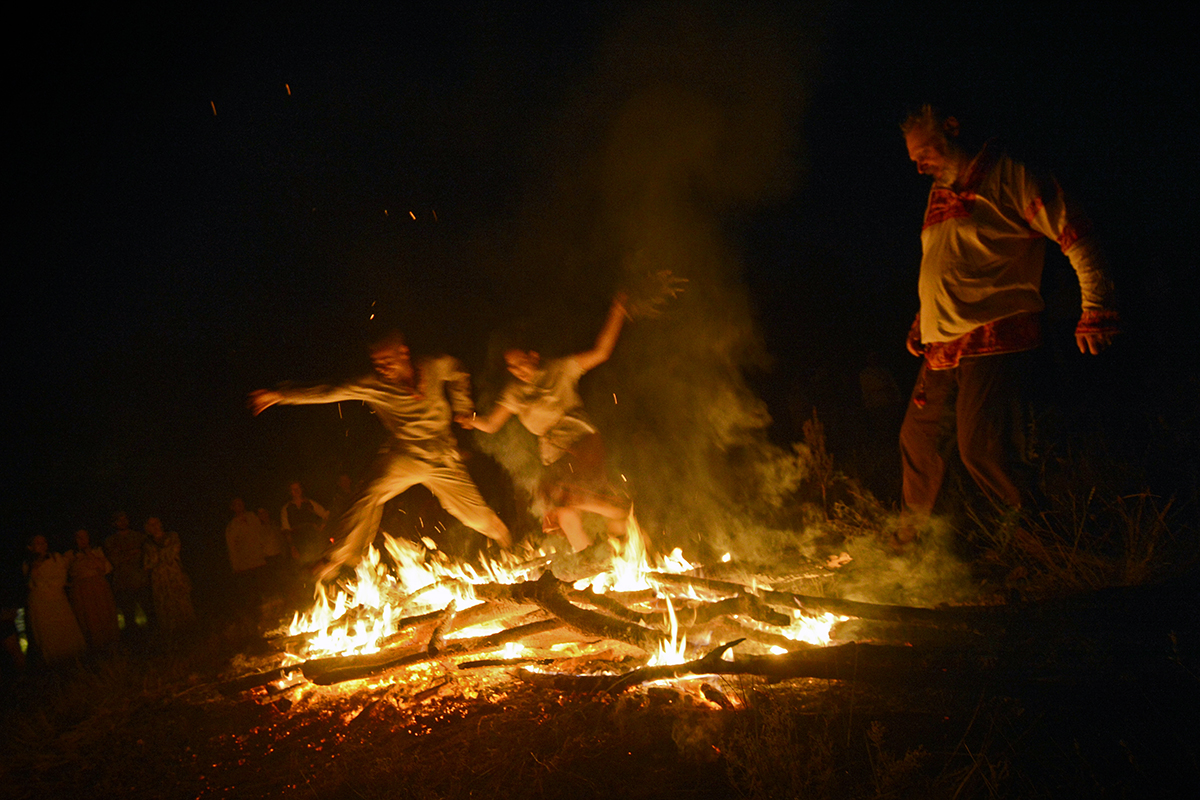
(167, 260)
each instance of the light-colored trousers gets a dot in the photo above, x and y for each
(394, 472)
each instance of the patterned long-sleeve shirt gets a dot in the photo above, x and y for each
(983, 246)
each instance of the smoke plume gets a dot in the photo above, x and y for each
(690, 119)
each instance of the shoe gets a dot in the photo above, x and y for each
(903, 539)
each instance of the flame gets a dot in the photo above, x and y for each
(631, 565)
(357, 616)
(674, 651)
(813, 630)
(418, 580)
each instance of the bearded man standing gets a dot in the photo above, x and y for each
(983, 243)
(415, 403)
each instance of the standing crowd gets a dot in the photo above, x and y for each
(88, 598)
(269, 560)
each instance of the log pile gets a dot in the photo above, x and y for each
(1009, 645)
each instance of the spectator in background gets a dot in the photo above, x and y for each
(91, 596)
(343, 496)
(130, 581)
(244, 538)
(302, 520)
(277, 574)
(170, 585)
(55, 630)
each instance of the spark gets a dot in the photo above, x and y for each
(411, 214)
(213, 103)
(385, 212)
(614, 398)
(434, 210)
(289, 89)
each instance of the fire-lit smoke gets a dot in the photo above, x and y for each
(690, 119)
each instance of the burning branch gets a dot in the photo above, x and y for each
(909, 615)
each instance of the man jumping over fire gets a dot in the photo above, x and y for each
(983, 242)
(414, 402)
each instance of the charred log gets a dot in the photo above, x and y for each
(615, 684)
(248, 682)
(550, 594)
(960, 616)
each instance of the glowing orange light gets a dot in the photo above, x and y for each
(411, 214)
(213, 103)
(289, 89)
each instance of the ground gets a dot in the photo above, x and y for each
(152, 722)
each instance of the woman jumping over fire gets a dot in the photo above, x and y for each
(545, 398)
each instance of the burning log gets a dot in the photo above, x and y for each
(484, 663)
(743, 604)
(724, 629)
(488, 611)
(615, 684)
(253, 681)
(1101, 636)
(637, 598)
(550, 594)
(883, 664)
(327, 671)
(410, 628)
(437, 640)
(613, 606)
(909, 615)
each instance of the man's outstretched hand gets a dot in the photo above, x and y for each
(262, 399)
(1096, 330)
(1093, 343)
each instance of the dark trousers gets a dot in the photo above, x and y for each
(974, 406)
